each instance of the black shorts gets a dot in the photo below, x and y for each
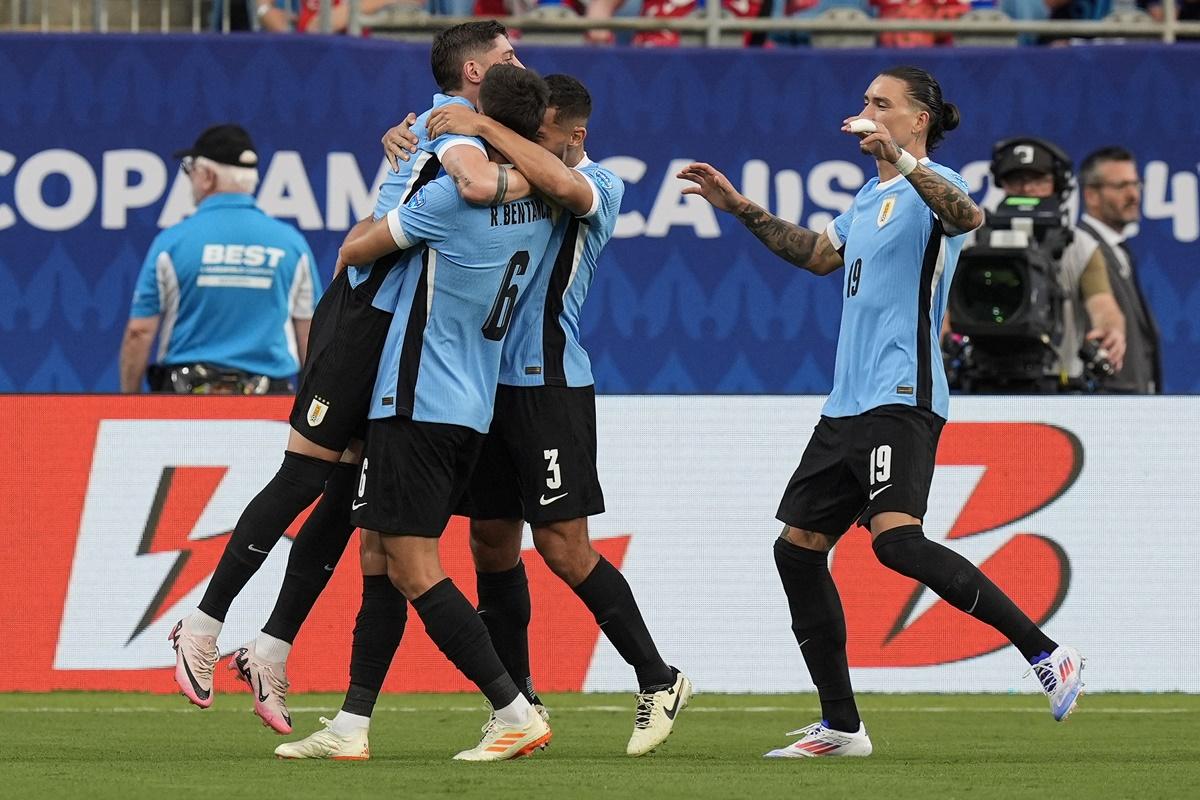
(345, 343)
(539, 460)
(413, 476)
(856, 467)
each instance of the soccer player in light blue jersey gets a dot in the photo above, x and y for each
(871, 456)
(539, 461)
(432, 405)
(328, 419)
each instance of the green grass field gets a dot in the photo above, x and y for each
(926, 746)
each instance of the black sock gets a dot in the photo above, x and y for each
(607, 595)
(961, 584)
(462, 637)
(299, 481)
(315, 552)
(820, 628)
(504, 609)
(377, 634)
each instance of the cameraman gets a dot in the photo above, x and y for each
(1032, 167)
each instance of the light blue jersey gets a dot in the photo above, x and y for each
(899, 265)
(227, 282)
(402, 183)
(543, 346)
(455, 303)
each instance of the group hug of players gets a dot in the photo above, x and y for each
(450, 346)
(454, 354)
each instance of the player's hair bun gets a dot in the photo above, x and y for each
(950, 117)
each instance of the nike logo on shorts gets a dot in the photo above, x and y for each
(879, 491)
(548, 500)
(356, 506)
(255, 549)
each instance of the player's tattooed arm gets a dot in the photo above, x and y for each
(478, 179)
(547, 172)
(794, 244)
(954, 207)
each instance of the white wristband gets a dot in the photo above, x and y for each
(906, 163)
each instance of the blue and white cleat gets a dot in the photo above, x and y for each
(819, 741)
(1061, 676)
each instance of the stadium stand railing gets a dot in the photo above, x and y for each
(711, 26)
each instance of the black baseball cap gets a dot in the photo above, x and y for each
(1023, 155)
(225, 144)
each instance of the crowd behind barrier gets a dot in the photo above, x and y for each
(651, 23)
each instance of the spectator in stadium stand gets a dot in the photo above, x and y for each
(309, 19)
(232, 289)
(1184, 9)
(918, 9)
(273, 16)
(1077, 11)
(670, 9)
(1112, 199)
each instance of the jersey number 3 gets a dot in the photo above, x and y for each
(505, 303)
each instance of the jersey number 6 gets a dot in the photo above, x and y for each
(505, 303)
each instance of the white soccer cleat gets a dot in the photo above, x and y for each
(541, 710)
(818, 741)
(502, 742)
(195, 658)
(328, 744)
(268, 683)
(1061, 676)
(654, 718)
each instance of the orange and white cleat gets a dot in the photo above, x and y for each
(502, 742)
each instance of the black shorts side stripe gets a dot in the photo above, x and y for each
(554, 338)
(414, 342)
(924, 309)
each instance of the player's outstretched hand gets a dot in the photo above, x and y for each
(712, 186)
(399, 141)
(878, 143)
(454, 118)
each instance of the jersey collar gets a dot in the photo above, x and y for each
(226, 200)
(583, 162)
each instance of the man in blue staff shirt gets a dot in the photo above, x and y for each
(229, 291)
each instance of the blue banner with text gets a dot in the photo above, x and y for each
(685, 300)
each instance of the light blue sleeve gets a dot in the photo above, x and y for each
(430, 216)
(839, 229)
(147, 301)
(608, 190)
